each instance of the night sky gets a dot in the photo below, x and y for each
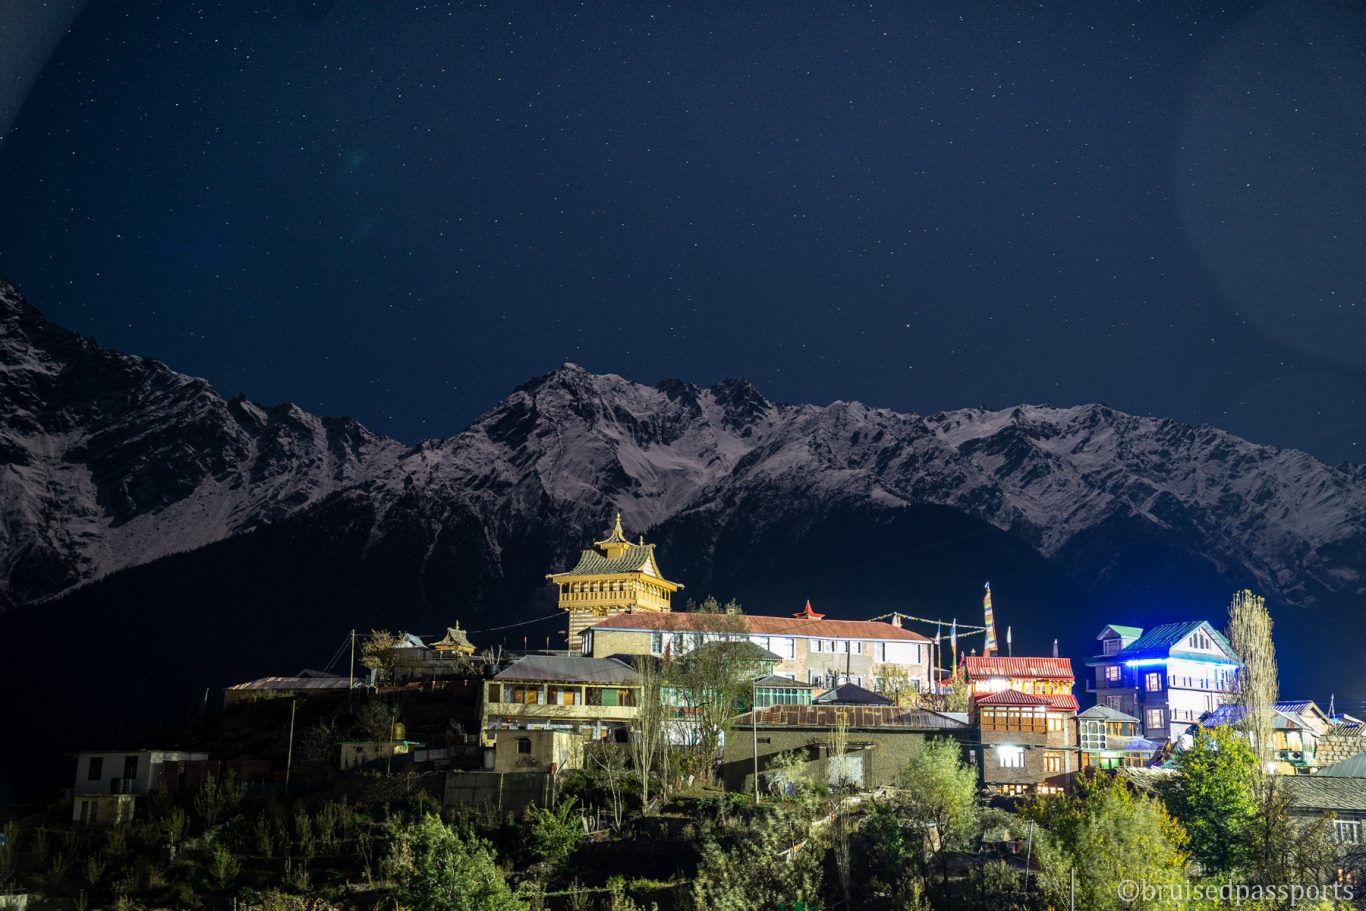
(400, 213)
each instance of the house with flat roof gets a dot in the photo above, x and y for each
(1168, 677)
(878, 742)
(109, 784)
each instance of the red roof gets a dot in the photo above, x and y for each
(978, 666)
(1065, 702)
(761, 626)
(808, 613)
(1010, 697)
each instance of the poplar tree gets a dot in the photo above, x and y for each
(1249, 632)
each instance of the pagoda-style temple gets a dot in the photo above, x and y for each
(455, 641)
(613, 577)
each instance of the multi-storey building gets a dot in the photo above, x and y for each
(808, 647)
(1026, 715)
(1168, 677)
(612, 577)
(1296, 729)
(544, 692)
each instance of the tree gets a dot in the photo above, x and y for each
(647, 741)
(898, 685)
(377, 652)
(710, 682)
(769, 866)
(1107, 837)
(435, 869)
(1215, 797)
(1249, 632)
(941, 791)
(553, 833)
(1284, 849)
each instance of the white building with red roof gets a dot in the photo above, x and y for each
(810, 647)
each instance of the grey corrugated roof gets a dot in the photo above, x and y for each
(294, 683)
(778, 680)
(556, 669)
(1326, 792)
(851, 694)
(1105, 713)
(1355, 767)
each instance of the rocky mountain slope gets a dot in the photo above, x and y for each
(111, 461)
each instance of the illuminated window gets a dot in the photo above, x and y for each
(1155, 718)
(1152, 682)
(1114, 673)
(1052, 762)
(1092, 735)
(1112, 645)
(1010, 757)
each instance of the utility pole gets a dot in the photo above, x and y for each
(289, 754)
(351, 677)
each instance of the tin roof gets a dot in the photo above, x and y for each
(862, 717)
(557, 669)
(689, 621)
(851, 694)
(318, 682)
(1105, 713)
(1355, 767)
(1010, 697)
(1161, 640)
(979, 666)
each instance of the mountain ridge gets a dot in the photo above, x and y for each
(114, 460)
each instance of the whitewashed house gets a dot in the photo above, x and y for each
(108, 783)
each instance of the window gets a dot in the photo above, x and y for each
(1092, 735)
(495, 693)
(1115, 702)
(1056, 722)
(784, 646)
(1201, 641)
(130, 767)
(523, 745)
(820, 645)
(1010, 757)
(564, 695)
(1153, 682)
(1112, 645)
(522, 694)
(1027, 720)
(1052, 762)
(843, 646)
(96, 768)
(1113, 673)
(656, 643)
(858, 648)
(879, 651)
(1348, 831)
(1155, 718)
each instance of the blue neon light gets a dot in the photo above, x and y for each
(1145, 662)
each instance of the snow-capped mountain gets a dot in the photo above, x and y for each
(110, 461)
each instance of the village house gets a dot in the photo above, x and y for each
(548, 692)
(1297, 728)
(1168, 677)
(1026, 717)
(878, 742)
(612, 577)
(109, 784)
(1109, 739)
(809, 648)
